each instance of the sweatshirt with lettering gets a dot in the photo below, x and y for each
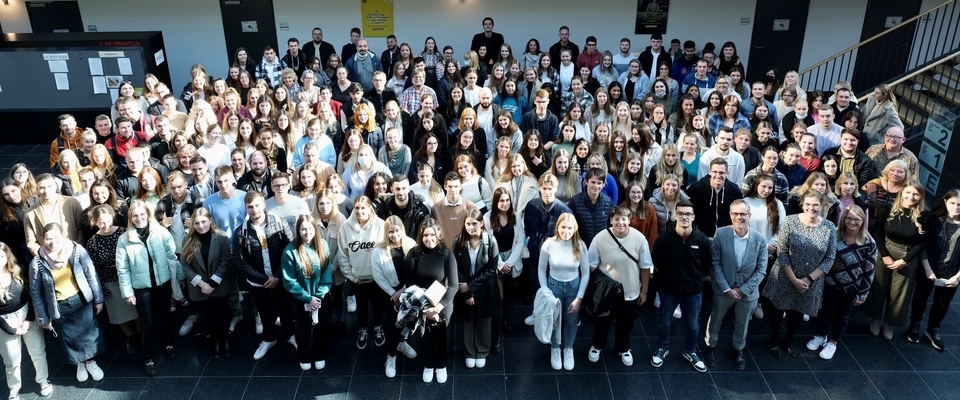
(356, 245)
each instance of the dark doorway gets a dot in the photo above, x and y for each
(54, 16)
(777, 42)
(886, 56)
(249, 24)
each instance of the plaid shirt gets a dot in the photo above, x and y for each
(410, 99)
(271, 72)
(878, 154)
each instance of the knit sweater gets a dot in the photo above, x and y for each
(557, 256)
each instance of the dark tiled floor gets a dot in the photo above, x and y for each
(864, 367)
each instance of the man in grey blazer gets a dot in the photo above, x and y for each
(739, 264)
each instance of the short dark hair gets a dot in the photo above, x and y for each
(488, 19)
(392, 37)
(356, 30)
(63, 117)
(591, 39)
(681, 203)
(120, 119)
(267, 48)
(451, 176)
(280, 175)
(397, 178)
(197, 159)
(720, 161)
(853, 132)
(689, 44)
(44, 176)
(562, 27)
(293, 40)
(656, 36)
(595, 173)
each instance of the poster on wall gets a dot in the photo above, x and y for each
(377, 16)
(652, 16)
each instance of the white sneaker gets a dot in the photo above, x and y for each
(593, 355)
(258, 323)
(391, 366)
(555, 360)
(530, 320)
(471, 362)
(568, 358)
(46, 389)
(305, 366)
(829, 349)
(758, 312)
(233, 322)
(815, 343)
(407, 351)
(292, 341)
(188, 325)
(806, 318)
(656, 301)
(626, 358)
(276, 322)
(82, 374)
(320, 364)
(95, 372)
(263, 349)
(441, 375)
(351, 303)
(481, 362)
(427, 375)
(677, 314)
(14, 394)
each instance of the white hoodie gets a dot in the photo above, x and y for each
(356, 246)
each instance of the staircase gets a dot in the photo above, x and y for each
(928, 90)
(923, 68)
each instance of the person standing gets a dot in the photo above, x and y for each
(210, 277)
(53, 207)
(941, 269)
(565, 270)
(478, 295)
(489, 39)
(623, 254)
(15, 324)
(308, 276)
(257, 248)
(356, 241)
(739, 265)
(849, 281)
(805, 254)
(681, 256)
(149, 272)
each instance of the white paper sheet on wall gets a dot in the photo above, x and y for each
(96, 66)
(58, 66)
(63, 82)
(99, 85)
(114, 94)
(125, 68)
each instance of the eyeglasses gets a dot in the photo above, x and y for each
(684, 215)
(280, 185)
(856, 220)
(736, 214)
(891, 137)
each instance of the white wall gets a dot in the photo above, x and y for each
(14, 18)
(832, 26)
(193, 30)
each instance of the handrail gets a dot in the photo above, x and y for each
(874, 37)
(924, 69)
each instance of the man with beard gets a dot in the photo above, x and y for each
(258, 178)
(53, 207)
(282, 204)
(404, 204)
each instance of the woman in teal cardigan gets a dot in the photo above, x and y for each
(307, 276)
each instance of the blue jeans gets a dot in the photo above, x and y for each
(566, 292)
(690, 306)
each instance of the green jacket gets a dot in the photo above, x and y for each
(304, 289)
(133, 263)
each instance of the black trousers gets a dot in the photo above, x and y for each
(311, 339)
(834, 315)
(273, 303)
(216, 313)
(625, 315)
(942, 296)
(369, 294)
(775, 316)
(153, 306)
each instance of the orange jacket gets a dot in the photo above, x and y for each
(65, 143)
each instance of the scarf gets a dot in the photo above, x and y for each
(60, 258)
(395, 159)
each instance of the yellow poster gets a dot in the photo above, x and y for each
(377, 17)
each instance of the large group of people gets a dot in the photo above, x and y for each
(419, 190)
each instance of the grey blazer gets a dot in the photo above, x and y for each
(728, 273)
(215, 270)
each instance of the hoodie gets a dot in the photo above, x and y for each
(712, 207)
(356, 245)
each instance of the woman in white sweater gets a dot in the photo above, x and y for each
(565, 270)
(357, 239)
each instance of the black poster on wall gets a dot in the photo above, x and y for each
(652, 16)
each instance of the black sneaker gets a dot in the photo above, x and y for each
(150, 368)
(695, 361)
(362, 339)
(708, 356)
(934, 335)
(171, 352)
(913, 332)
(378, 337)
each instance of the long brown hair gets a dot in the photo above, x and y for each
(15, 271)
(301, 246)
(191, 244)
(773, 209)
(495, 212)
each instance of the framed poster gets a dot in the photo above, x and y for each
(652, 16)
(377, 17)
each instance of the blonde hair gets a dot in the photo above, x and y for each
(862, 234)
(916, 211)
(191, 244)
(568, 217)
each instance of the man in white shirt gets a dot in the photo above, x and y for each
(826, 131)
(736, 167)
